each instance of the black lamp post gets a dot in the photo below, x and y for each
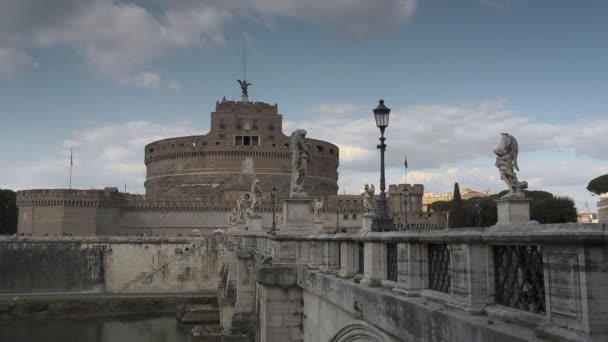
(382, 221)
(273, 195)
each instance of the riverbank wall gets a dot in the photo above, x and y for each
(108, 264)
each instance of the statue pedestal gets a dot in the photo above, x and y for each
(253, 223)
(297, 217)
(366, 223)
(513, 211)
(319, 226)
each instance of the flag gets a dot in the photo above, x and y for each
(405, 161)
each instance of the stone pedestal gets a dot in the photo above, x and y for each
(253, 223)
(374, 265)
(348, 261)
(297, 217)
(319, 227)
(412, 262)
(366, 223)
(513, 211)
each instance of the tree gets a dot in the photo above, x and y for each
(598, 185)
(553, 210)
(457, 215)
(8, 212)
(442, 206)
(544, 208)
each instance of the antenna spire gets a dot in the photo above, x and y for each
(244, 60)
(244, 84)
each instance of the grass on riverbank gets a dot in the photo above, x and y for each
(90, 307)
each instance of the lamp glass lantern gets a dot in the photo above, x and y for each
(382, 113)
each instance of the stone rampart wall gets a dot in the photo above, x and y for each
(108, 265)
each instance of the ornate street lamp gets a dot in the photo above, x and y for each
(382, 221)
(273, 195)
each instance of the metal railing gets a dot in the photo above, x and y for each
(361, 255)
(439, 266)
(391, 261)
(520, 282)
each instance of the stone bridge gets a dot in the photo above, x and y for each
(526, 282)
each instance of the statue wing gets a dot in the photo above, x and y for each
(515, 148)
(240, 82)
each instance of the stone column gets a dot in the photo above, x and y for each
(315, 254)
(244, 310)
(375, 264)
(329, 256)
(472, 276)
(576, 289)
(348, 260)
(412, 262)
(280, 311)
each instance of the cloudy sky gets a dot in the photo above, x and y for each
(105, 77)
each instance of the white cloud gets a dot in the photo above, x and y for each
(435, 136)
(338, 108)
(107, 155)
(119, 38)
(175, 86)
(147, 79)
(12, 60)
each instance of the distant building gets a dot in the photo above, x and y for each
(602, 209)
(586, 217)
(465, 193)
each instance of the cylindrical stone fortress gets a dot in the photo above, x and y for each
(245, 142)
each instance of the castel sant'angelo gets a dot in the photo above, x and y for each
(192, 183)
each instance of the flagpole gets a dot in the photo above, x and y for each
(71, 163)
(406, 191)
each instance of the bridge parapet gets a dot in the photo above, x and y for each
(544, 280)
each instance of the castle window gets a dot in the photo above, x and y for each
(331, 151)
(151, 150)
(270, 126)
(222, 123)
(255, 124)
(354, 216)
(247, 140)
(247, 126)
(345, 216)
(239, 124)
(319, 148)
(222, 134)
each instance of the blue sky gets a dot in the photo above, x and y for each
(104, 77)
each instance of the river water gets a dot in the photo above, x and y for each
(131, 328)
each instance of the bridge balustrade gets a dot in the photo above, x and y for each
(552, 277)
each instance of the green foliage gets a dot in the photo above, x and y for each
(544, 208)
(8, 212)
(553, 210)
(443, 206)
(598, 185)
(457, 214)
